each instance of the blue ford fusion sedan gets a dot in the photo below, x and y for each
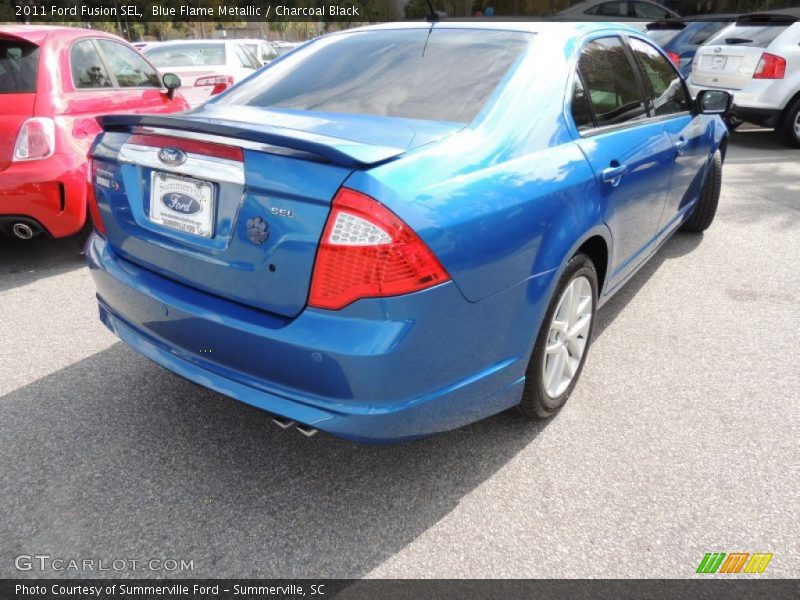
(398, 230)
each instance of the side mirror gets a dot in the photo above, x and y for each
(172, 82)
(714, 102)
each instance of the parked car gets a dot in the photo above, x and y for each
(618, 10)
(54, 82)
(757, 59)
(384, 243)
(285, 47)
(206, 67)
(264, 52)
(680, 39)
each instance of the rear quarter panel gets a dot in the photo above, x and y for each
(509, 197)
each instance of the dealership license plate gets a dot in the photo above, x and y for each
(718, 63)
(182, 203)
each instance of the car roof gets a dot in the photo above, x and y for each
(567, 26)
(198, 41)
(37, 33)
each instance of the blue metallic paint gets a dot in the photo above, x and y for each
(503, 202)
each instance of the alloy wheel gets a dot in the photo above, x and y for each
(568, 336)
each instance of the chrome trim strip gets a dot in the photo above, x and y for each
(209, 168)
(229, 141)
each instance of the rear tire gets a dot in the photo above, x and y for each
(789, 126)
(543, 396)
(703, 214)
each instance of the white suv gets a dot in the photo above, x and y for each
(757, 59)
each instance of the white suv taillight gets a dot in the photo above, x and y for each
(36, 140)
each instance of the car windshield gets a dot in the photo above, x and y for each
(747, 34)
(439, 75)
(19, 64)
(186, 55)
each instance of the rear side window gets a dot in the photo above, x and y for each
(611, 82)
(186, 55)
(88, 70)
(643, 10)
(609, 9)
(128, 67)
(666, 91)
(581, 106)
(19, 65)
(439, 74)
(755, 36)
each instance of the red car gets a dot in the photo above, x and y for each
(54, 82)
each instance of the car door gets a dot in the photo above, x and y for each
(669, 101)
(632, 155)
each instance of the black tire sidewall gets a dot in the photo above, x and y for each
(580, 265)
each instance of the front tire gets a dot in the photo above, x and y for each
(789, 126)
(703, 214)
(563, 341)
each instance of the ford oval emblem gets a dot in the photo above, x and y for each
(181, 203)
(172, 156)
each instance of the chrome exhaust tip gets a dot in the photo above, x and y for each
(23, 231)
(307, 431)
(282, 423)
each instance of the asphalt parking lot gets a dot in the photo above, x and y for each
(682, 437)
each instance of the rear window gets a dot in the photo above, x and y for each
(662, 37)
(755, 36)
(186, 55)
(19, 64)
(438, 75)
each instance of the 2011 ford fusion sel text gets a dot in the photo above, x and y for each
(397, 230)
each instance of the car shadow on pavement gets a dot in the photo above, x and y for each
(115, 457)
(25, 261)
(677, 246)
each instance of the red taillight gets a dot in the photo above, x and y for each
(770, 67)
(36, 140)
(366, 251)
(193, 146)
(91, 198)
(675, 58)
(220, 83)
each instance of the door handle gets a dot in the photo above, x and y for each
(613, 175)
(680, 146)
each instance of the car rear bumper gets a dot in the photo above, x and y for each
(377, 371)
(766, 117)
(52, 192)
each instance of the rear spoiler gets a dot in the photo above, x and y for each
(664, 25)
(266, 138)
(771, 17)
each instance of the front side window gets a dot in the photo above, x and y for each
(88, 70)
(19, 65)
(438, 74)
(128, 67)
(667, 94)
(611, 82)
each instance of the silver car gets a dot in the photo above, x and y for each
(757, 59)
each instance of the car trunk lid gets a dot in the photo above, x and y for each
(269, 189)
